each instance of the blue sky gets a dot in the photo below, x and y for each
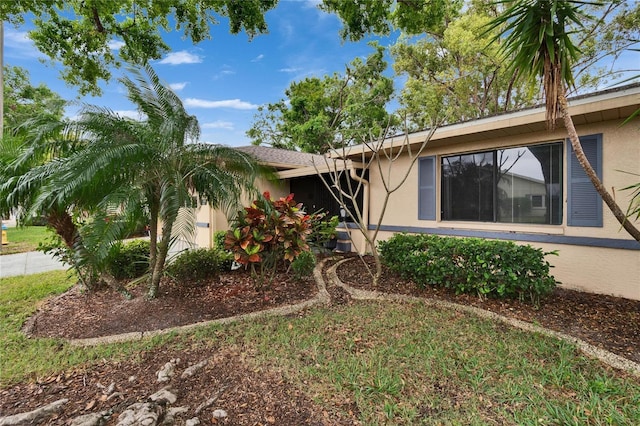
(223, 80)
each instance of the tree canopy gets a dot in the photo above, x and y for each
(364, 17)
(452, 68)
(457, 74)
(22, 100)
(83, 34)
(336, 110)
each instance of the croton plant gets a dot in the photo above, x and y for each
(269, 231)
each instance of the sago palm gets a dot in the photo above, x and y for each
(29, 159)
(537, 41)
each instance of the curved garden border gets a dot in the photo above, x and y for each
(323, 297)
(609, 358)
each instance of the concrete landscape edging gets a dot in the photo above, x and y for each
(609, 358)
(323, 297)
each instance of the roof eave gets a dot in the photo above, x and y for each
(608, 105)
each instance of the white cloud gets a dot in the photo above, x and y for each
(219, 124)
(181, 57)
(312, 3)
(15, 38)
(226, 70)
(116, 44)
(178, 86)
(287, 30)
(228, 103)
(290, 70)
(258, 58)
(130, 113)
(19, 45)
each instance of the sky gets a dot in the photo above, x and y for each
(222, 80)
(225, 79)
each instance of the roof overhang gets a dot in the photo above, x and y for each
(614, 104)
(327, 166)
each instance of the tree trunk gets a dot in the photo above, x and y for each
(63, 224)
(153, 240)
(378, 262)
(78, 256)
(161, 256)
(584, 162)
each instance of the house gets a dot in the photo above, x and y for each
(508, 177)
(296, 172)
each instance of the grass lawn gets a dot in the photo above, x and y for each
(25, 239)
(394, 363)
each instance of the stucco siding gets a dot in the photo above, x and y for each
(580, 264)
(209, 221)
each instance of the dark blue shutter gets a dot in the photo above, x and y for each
(427, 188)
(583, 201)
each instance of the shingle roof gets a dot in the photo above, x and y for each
(282, 157)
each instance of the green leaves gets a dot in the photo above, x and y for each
(364, 17)
(130, 170)
(269, 231)
(329, 112)
(80, 34)
(471, 265)
(536, 39)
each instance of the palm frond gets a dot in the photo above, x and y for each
(535, 40)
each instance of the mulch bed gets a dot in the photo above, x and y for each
(76, 314)
(608, 322)
(253, 396)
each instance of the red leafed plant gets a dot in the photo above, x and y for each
(269, 232)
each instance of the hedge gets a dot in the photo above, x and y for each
(471, 265)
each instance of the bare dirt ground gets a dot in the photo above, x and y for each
(249, 396)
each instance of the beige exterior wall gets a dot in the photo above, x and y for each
(601, 270)
(209, 221)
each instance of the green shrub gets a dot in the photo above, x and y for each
(218, 239)
(323, 229)
(303, 265)
(197, 265)
(471, 265)
(128, 260)
(226, 256)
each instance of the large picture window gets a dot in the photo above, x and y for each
(513, 185)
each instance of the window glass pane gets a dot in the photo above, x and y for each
(467, 187)
(515, 185)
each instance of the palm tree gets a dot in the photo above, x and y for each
(538, 44)
(154, 165)
(30, 159)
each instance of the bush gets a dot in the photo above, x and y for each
(218, 239)
(471, 265)
(128, 260)
(303, 265)
(269, 233)
(323, 229)
(226, 256)
(197, 265)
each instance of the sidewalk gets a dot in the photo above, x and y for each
(32, 262)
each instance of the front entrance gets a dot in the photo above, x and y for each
(311, 191)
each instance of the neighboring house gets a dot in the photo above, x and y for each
(507, 177)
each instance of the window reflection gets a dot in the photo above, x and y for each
(515, 185)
